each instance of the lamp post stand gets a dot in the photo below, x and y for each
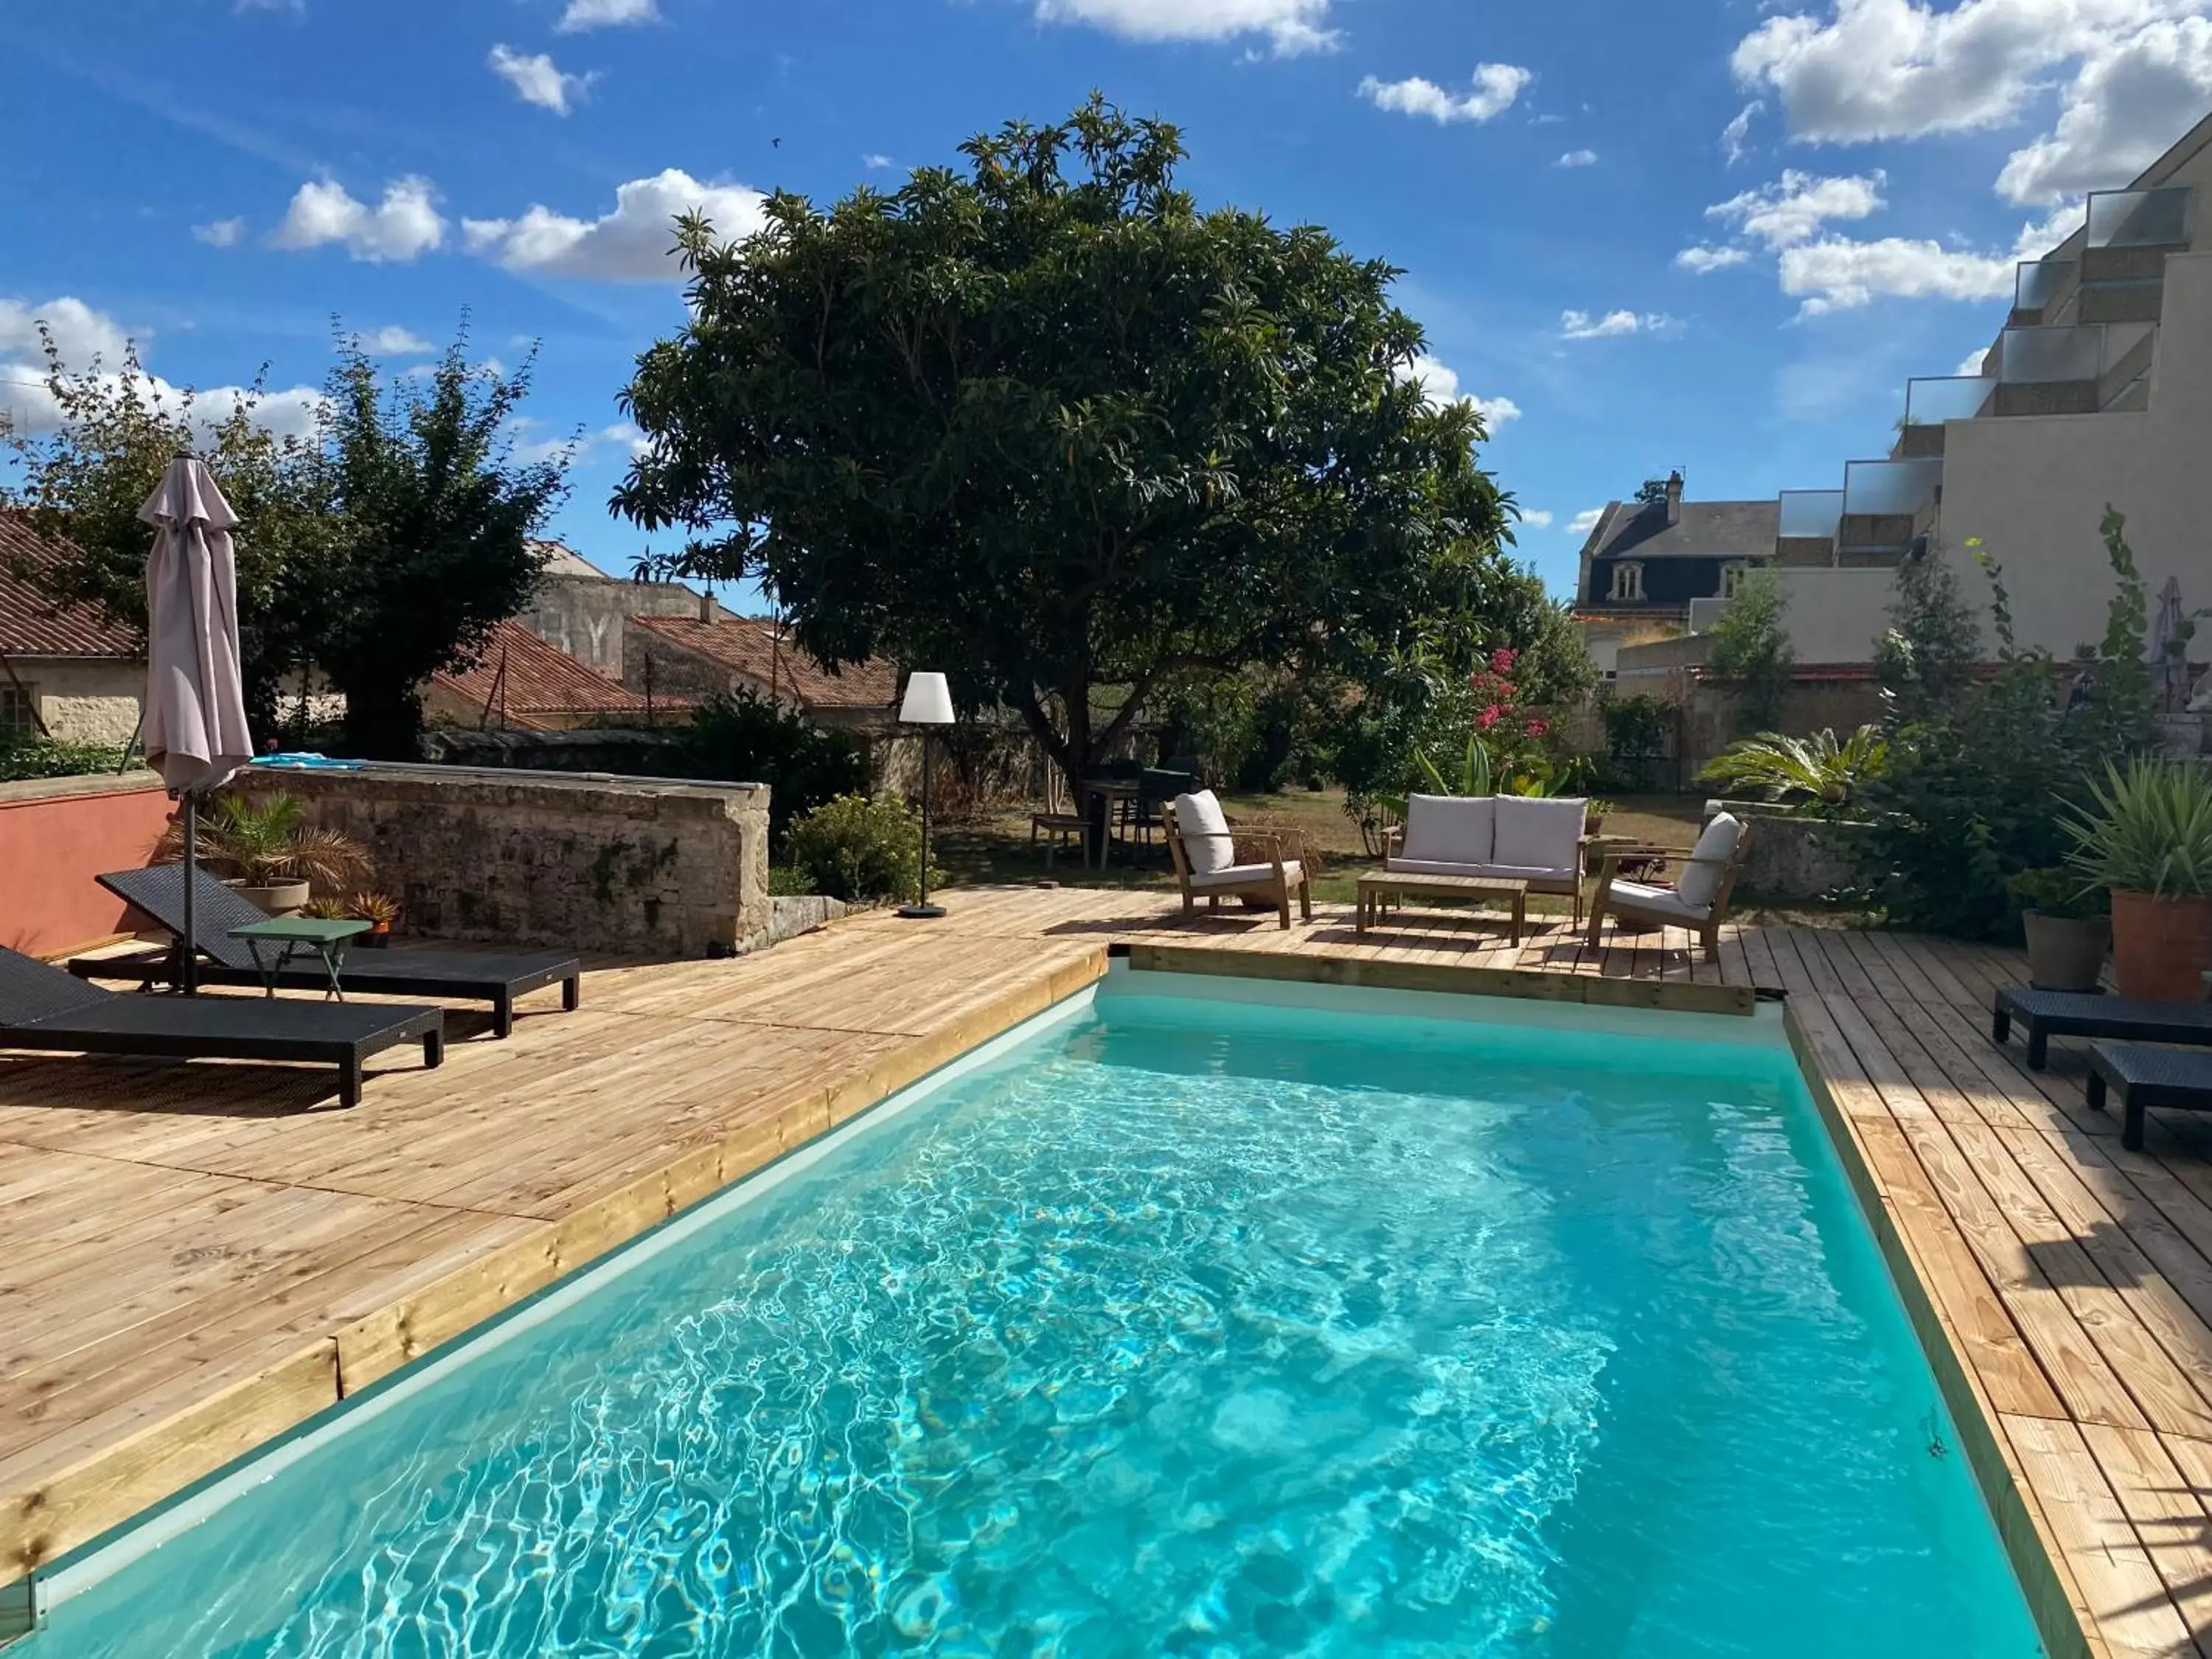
(928, 702)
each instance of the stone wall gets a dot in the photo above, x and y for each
(1793, 858)
(85, 700)
(583, 615)
(635, 866)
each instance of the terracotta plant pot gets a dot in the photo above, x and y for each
(2161, 947)
(2065, 953)
(279, 898)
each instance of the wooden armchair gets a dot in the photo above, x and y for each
(1698, 897)
(1204, 850)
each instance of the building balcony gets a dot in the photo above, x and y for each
(1886, 504)
(2069, 370)
(2130, 232)
(1929, 403)
(1805, 523)
(2040, 289)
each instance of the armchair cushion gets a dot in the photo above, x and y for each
(1447, 830)
(1659, 900)
(1247, 875)
(1539, 833)
(1203, 831)
(1699, 884)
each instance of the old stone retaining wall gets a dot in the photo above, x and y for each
(1792, 857)
(637, 866)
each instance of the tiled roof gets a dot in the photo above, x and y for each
(750, 646)
(541, 680)
(32, 624)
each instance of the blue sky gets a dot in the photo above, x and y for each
(1718, 237)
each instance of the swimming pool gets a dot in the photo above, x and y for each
(1234, 1321)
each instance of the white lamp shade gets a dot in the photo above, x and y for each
(928, 700)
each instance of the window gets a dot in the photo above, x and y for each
(18, 714)
(1732, 575)
(1628, 579)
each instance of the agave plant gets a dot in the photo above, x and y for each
(269, 841)
(1814, 768)
(2146, 829)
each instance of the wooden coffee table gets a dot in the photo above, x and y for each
(1377, 885)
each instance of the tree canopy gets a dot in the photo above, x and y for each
(380, 547)
(1044, 425)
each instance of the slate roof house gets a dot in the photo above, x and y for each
(1647, 564)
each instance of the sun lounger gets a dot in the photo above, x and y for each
(406, 971)
(2048, 1014)
(42, 1008)
(2144, 1076)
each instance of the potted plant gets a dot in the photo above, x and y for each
(2068, 930)
(274, 854)
(380, 911)
(2146, 834)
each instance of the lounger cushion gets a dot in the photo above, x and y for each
(1247, 875)
(1660, 900)
(1541, 835)
(1448, 829)
(1203, 831)
(1700, 880)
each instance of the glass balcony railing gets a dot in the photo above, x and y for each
(1950, 397)
(2140, 218)
(1889, 488)
(1808, 514)
(2034, 357)
(2037, 283)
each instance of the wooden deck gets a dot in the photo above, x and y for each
(194, 1258)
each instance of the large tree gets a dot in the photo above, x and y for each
(1043, 424)
(379, 547)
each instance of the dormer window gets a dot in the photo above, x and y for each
(1732, 575)
(1628, 579)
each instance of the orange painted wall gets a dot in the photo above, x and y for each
(52, 848)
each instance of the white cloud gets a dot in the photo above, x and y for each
(537, 79)
(80, 334)
(1537, 518)
(1972, 368)
(633, 243)
(1581, 326)
(1701, 259)
(1837, 274)
(1584, 521)
(1577, 158)
(1795, 206)
(874, 161)
(1496, 87)
(222, 233)
(629, 436)
(395, 341)
(399, 227)
(2133, 75)
(1439, 382)
(1290, 25)
(1736, 136)
(606, 14)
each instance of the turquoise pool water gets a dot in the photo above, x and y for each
(1188, 1328)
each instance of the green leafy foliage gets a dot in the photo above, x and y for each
(1973, 794)
(2146, 829)
(1818, 770)
(1750, 645)
(2058, 890)
(856, 848)
(1929, 653)
(267, 839)
(26, 759)
(1636, 728)
(1041, 420)
(743, 736)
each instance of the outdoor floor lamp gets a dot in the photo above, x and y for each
(928, 702)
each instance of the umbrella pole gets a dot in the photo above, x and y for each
(188, 972)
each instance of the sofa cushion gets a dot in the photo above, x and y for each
(1699, 882)
(1490, 871)
(1448, 829)
(1659, 900)
(1543, 835)
(1203, 829)
(1246, 875)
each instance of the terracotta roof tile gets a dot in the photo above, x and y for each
(541, 679)
(31, 624)
(750, 646)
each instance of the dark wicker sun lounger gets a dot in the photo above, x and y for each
(43, 1007)
(406, 971)
(2144, 1076)
(2048, 1014)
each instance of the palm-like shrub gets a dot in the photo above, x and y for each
(2147, 830)
(268, 841)
(1819, 768)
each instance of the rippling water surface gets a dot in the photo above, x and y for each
(1194, 1328)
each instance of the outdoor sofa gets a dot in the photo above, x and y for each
(1496, 837)
(496, 977)
(41, 1007)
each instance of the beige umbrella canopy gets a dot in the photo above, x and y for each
(196, 734)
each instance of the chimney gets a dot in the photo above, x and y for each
(706, 607)
(1674, 496)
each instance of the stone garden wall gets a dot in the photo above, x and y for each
(635, 866)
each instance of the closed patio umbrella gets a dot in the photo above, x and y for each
(195, 719)
(2167, 634)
